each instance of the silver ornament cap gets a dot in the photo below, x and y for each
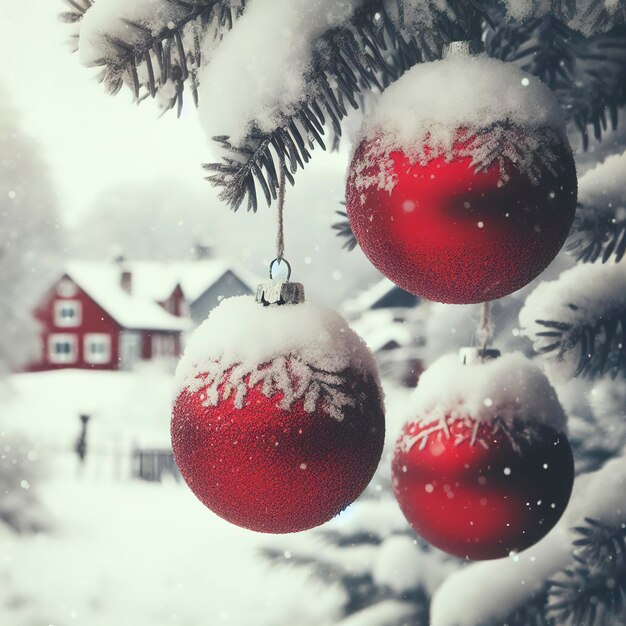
(469, 48)
(274, 293)
(280, 290)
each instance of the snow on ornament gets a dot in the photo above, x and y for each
(462, 188)
(485, 467)
(278, 423)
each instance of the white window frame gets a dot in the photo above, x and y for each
(62, 357)
(97, 358)
(68, 322)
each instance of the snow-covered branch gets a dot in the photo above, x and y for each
(586, 16)
(154, 46)
(600, 224)
(306, 83)
(579, 321)
(308, 62)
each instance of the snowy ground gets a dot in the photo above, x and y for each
(132, 553)
(124, 552)
(126, 408)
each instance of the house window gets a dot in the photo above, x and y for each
(163, 345)
(97, 348)
(67, 313)
(130, 349)
(62, 348)
(66, 288)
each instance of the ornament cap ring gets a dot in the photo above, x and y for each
(276, 265)
(463, 48)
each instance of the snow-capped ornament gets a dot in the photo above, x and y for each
(466, 196)
(485, 469)
(278, 423)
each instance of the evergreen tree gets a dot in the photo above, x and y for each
(29, 237)
(275, 81)
(29, 245)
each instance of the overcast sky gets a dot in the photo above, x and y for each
(91, 141)
(94, 142)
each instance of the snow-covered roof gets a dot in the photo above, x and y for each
(156, 280)
(378, 329)
(101, 282)
(368, 298)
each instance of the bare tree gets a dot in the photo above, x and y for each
(29, 237)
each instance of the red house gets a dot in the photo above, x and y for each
(92, 317)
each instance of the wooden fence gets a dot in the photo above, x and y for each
(154, 464)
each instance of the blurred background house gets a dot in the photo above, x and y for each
(111, 315)
(392, 323)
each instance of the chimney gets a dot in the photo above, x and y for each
(126, 280)
(126, 276)
(202, 251)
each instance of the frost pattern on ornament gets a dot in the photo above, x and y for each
(465, 429)
(375, 168)
(510, 388)
(506, 146)
(290, 377)
(504, 115)
(304, 352)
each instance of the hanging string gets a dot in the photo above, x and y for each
(280, 265)
(484, 326)
(280, 236)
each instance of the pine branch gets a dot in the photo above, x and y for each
(600, 545)
(568, 63)
(601, 343)
(597, 234)
(325, 570)
(344, 229)
(543, 47)
(78, 8)
(593, 94)
(361, 591)
(590, 593)
(588, 596)
(578, 321)
(371, 51)
(168, 55)
(342, 540)
(380, 42)
(352, 59)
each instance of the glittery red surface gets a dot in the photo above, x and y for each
(483, 503)
(426, 236)
(274, 470)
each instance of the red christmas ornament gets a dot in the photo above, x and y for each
(471, 209)
(279, 424)
(482, 488)
(451, 234)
